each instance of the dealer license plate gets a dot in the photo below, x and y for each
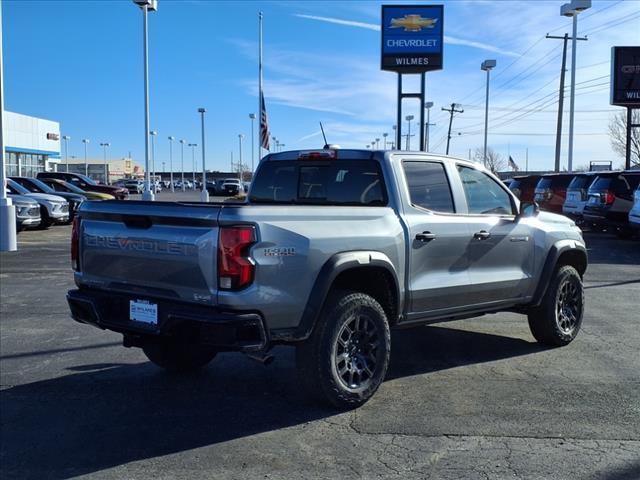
(143, 311)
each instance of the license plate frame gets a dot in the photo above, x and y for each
(143, 311)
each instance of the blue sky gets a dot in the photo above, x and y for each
(80, 63)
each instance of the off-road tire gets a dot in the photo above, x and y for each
(177, 356)
(319, 359)
(554, 323)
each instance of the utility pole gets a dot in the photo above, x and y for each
(452, 110)
(563, 69)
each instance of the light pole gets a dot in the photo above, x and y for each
(146, 6)
(240, 137)
(182, 160)
(66, 139)
(487, 65)
(428, 106)
(8, 239)
(572, 9)
(204, 194)
(86, 165)
(385, 139)
(252, 116)
(408, 118)
(104, 154)
(193, 161)
(171, 139)
(373, 144)
(153, 134)
(377, 143)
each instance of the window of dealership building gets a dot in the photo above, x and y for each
(32, 144)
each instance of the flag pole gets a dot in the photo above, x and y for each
(260, 106)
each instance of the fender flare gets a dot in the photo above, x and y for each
(555, 252)
(334, 266)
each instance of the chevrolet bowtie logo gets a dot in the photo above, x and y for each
(413, 23)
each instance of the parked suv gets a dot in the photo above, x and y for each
(232, 186)
(53, 209)
(36, 186)
(551, 191)
(85, 183)
(524, 187)
(27, 211)
(577, 196)
(610, 201)
(134, 186)
(332, 251)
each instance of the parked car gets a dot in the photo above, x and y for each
(134, 186)
(524, 187)
(231, 186)
(610, 201)
(634, 213)
(53, 209)
(27, 211)
(576, 198)
(62, 186)
(86, 184)
(36, 186)
(332, 250)
(551, 191)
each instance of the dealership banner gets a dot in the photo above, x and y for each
(412, 38)
(625, 76)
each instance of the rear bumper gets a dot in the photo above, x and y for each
(243, 331)
(606, 218)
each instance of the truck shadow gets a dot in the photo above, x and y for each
(105, 415)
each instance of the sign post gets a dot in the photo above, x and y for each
(625, 87)
(411, 43)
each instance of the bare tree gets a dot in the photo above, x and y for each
(618, 135)
(495, 161)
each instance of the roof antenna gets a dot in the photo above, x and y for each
(326, 144)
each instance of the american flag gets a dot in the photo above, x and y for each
(264, 126)
(513, 165)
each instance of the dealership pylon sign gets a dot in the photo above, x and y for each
(625, 76)
(412, 38)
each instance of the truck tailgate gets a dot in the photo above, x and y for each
(160, 249)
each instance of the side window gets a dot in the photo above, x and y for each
(429, 186)
(484, 195)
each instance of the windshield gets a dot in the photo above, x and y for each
(39, 186)
(15, 187)
(86, 179)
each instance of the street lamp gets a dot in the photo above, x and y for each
(171, 139)
(252, 116)
(487, 66)
(385, 139)
(377, 143)
(204, 195)
(104, 151)
(66, 139)
(146, 6)
(572, 9)
(86, 165)
(193, 161)
(408, 118)
(240, 137)
(182, 161)
(153, 134)
(428, 106)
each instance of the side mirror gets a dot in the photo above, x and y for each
(529, 209)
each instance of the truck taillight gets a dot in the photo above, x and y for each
(75, 241)
(235, 268)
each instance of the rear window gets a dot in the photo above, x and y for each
(601, 183)
(555, 181)
(544, 183)
(580, 182)
(343, 182)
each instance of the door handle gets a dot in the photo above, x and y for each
(481, 235)
(425, 236)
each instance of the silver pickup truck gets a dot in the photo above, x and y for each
(332, 250)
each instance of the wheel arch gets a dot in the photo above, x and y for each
(565, 252)
(369, 272)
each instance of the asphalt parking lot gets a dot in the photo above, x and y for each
(472, 399)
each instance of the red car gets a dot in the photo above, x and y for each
(551, 191)
(87, 184)
(524, 187)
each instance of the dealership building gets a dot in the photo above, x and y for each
(32, 144)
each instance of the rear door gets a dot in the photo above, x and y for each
(500, 247)
(437, 268)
